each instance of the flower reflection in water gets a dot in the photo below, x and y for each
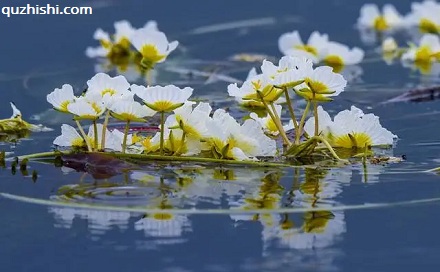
(310, 230)
(220, 188)
(99, 222)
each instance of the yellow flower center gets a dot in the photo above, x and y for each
(316, 86)
(126, 116)
(63, 106)
(380, 24)
(271, 94)
(188, 129)
(146, 144)
(353, 140)
(336, 62)
(151, 54)
(257, 85)
(78, 142)
(424, 54)
(135, 138)
(428, 26)
(109, 91)
(312, 50)
(164, 106)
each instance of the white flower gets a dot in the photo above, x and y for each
(339, 55)
(253, 141)
(228, 140)
(252, 103)
(290, 71)
(69, 137)
(163, 98)
(153, 45)
(427, 51)
(106, 85)
(173, 143)
(106, 44)
(191, 121)
(218, 141)
(112, 140)
(351, 129)
(269, 125)
(115, 140)
(249, 89)
(323, 83)
(292, 45)
(371, 17)
(126, 110)
(425, 16)
(61, 98)
(120, 40)
(87, 108)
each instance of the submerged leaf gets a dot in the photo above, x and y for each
(417, 95)
(100, 166)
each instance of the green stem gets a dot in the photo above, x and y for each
(301, 123)
(124, 141)
(149, 75)
(296, 150)
(162, 131)
(153, 158)
(283, 135)
(291, 110)
(42, 155)
(104, 129)
(330, 148)
(315, 113)
(280, 125)
(83, 134)
(95, 132)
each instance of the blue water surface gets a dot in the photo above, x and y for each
(40, 53)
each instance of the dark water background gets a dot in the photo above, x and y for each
(40, 53)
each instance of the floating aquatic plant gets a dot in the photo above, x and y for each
(193, 132)
(14, 128)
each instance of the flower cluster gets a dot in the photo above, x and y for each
(421, 56)
(151, 45)
(422, 53)
(188, 130)
(195, 129)
(422, 15)
(319, 49)
(278, 84)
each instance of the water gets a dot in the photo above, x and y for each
(41, 53)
